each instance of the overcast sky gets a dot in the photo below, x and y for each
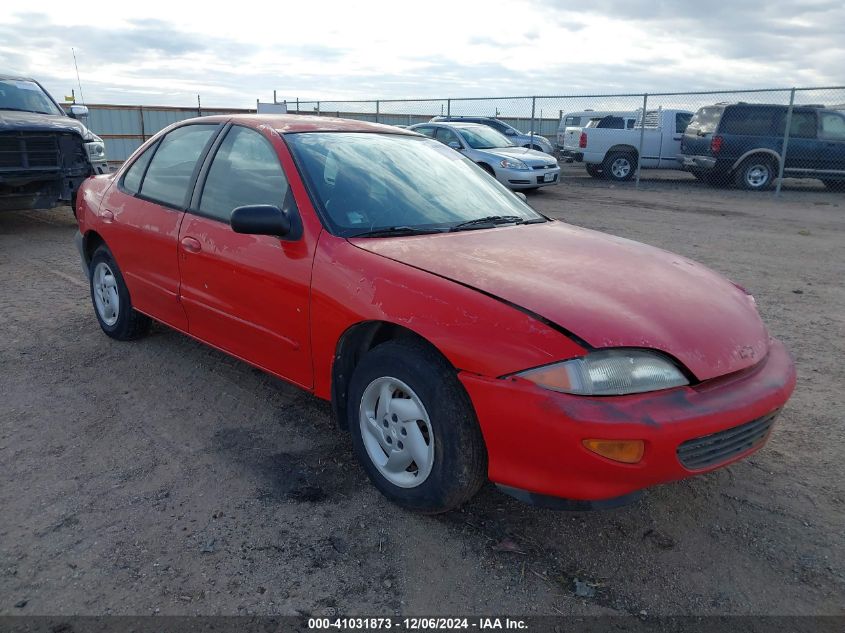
(231, 53)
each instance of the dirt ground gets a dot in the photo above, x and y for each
(163, 477)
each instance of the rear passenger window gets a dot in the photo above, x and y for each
(803, 125)
(427, 131)
(706, 119)
(172, 166)
(132, 179)
(750, 121)
(245, 170)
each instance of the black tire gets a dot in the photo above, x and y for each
(619, 166)
(756, 173)
(834, 185)
(459, 466)
(594, 170)
(129, 324)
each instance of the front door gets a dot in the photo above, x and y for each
(246, 294)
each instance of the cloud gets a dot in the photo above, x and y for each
(507, 48)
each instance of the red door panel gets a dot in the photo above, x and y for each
(142, 236)
(248, 295)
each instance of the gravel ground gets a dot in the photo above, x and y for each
(163, 477)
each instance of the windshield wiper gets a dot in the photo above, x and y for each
(397, 230)
(490, 219)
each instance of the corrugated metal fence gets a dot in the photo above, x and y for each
(125, 127)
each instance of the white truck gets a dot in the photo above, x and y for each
(568, 139)
(612, 153)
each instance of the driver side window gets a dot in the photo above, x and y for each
(446, 136)
(245, 170)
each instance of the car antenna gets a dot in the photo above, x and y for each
(78, 82)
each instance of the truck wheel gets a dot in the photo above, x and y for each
(414, 428)
(594, 170)
(619, 166)
(756, 173)
(111, 300)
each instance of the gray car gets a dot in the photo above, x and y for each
(515, 167)
(532, 141)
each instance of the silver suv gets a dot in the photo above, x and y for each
(515, 167)
(531, 141)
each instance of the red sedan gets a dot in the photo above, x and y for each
(459, 334)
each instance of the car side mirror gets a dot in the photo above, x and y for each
(78, 111)
(261, 219)
(454, 145)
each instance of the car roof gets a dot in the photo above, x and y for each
(6, 77)
(293, 123)
(458, 124)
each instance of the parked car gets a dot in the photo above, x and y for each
(742, 143)
(579, 120)
(44, 153)
(459, 334)
(515, 167)
(570, 139)
(522, 139)
(612, 153)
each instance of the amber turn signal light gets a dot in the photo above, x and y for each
(625, 451)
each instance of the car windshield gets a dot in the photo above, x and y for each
(26, 96)
(366, 182)
(483, 137)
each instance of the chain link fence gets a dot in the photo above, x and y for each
(753, 139)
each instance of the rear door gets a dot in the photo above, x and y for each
(142, 215)
(802, 153)
(695, 139)
(247, 294)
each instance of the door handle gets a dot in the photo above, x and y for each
(107, 216)
(191, 245)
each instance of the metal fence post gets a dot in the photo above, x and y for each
(448, 107)
(318, 108)
(533, 107)
(297, 105)
(377, 111)
(785, 146)
(642, 134)
(141, 118)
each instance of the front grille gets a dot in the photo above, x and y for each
(26, 150)
(716, 448)
(550, 166)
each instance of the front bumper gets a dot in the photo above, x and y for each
(528, 179)
(534, 436)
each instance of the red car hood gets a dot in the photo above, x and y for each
(609, 291)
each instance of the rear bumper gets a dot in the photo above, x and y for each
(572, 155)
(534, 436)
(696, 163)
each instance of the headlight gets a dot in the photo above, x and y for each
(96, 150)
(513, 163)
(609, 373)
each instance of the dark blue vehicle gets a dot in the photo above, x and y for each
(742, 143)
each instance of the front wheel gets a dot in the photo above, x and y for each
(619, 166)
(414, 429)
(756, 173)
(111, 300)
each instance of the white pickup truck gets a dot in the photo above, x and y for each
(612, 153)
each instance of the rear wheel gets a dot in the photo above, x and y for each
(594, 170)
(619, 166)
(414, 429)
(111, 300)
(756, 173)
